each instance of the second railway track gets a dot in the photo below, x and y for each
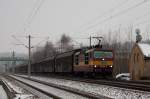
(136, 85)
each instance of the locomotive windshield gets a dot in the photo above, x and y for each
(103, 54)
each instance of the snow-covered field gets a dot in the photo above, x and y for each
(109, 91)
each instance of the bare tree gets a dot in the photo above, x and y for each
(44, 52)
(65, 43)
(49, 49)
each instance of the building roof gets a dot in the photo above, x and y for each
(145, 48)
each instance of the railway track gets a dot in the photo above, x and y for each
(74, 92)
(33, 87)
(121, 84)
(136, 85)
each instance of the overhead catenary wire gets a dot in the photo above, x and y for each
(105, 13)
(118, 14)
(46, 39)
(31, 37)
(30, 14)
(20, 42)
(142, 22)
(33, 13)
(138, 18)
(36, 11)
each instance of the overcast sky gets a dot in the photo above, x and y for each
(77, 18)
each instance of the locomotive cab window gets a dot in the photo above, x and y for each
(77, 59)
(101, 54)
(86, 58)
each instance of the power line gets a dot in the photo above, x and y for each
(142, 16)
(142, 22)
(30, 14)
(41, 41)
(119, 13)
(33, 13)
(79, 38)
(20, 42)
(137, 24)
(105, 13)
(36, 11)
(29, 51)
(138, 18)
(34, 8)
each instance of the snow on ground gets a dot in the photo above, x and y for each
(54, 91)
(109, 91)
(3, 94)
(24, 96)
(19, 92)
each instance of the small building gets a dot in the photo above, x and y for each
(139, 63)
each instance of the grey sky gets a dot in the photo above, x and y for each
(73, 17)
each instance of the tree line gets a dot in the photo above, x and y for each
(50, 49)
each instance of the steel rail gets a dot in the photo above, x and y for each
(68, 89)
(136, 85)
(40, 90)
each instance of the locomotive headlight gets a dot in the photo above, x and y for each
(103, 59)
(111, 66)
(95, 66)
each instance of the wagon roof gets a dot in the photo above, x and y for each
(44, 60)
(145, 48)
(65, 54)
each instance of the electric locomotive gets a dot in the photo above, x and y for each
(94, 60)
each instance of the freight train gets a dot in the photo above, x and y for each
(83, 61)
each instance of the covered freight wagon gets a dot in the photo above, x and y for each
(64, 62)
(45, 66)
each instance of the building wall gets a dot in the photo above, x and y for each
(137, 63)
(146, 71)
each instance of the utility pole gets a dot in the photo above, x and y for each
(29, 63)
(90, 41)
(6, 68)
(61, 46)
(29, 52)
(14, 62)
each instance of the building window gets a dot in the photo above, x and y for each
(134, 57)
(77, 59)
(137, 57)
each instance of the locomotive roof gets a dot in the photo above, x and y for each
(145, 48)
